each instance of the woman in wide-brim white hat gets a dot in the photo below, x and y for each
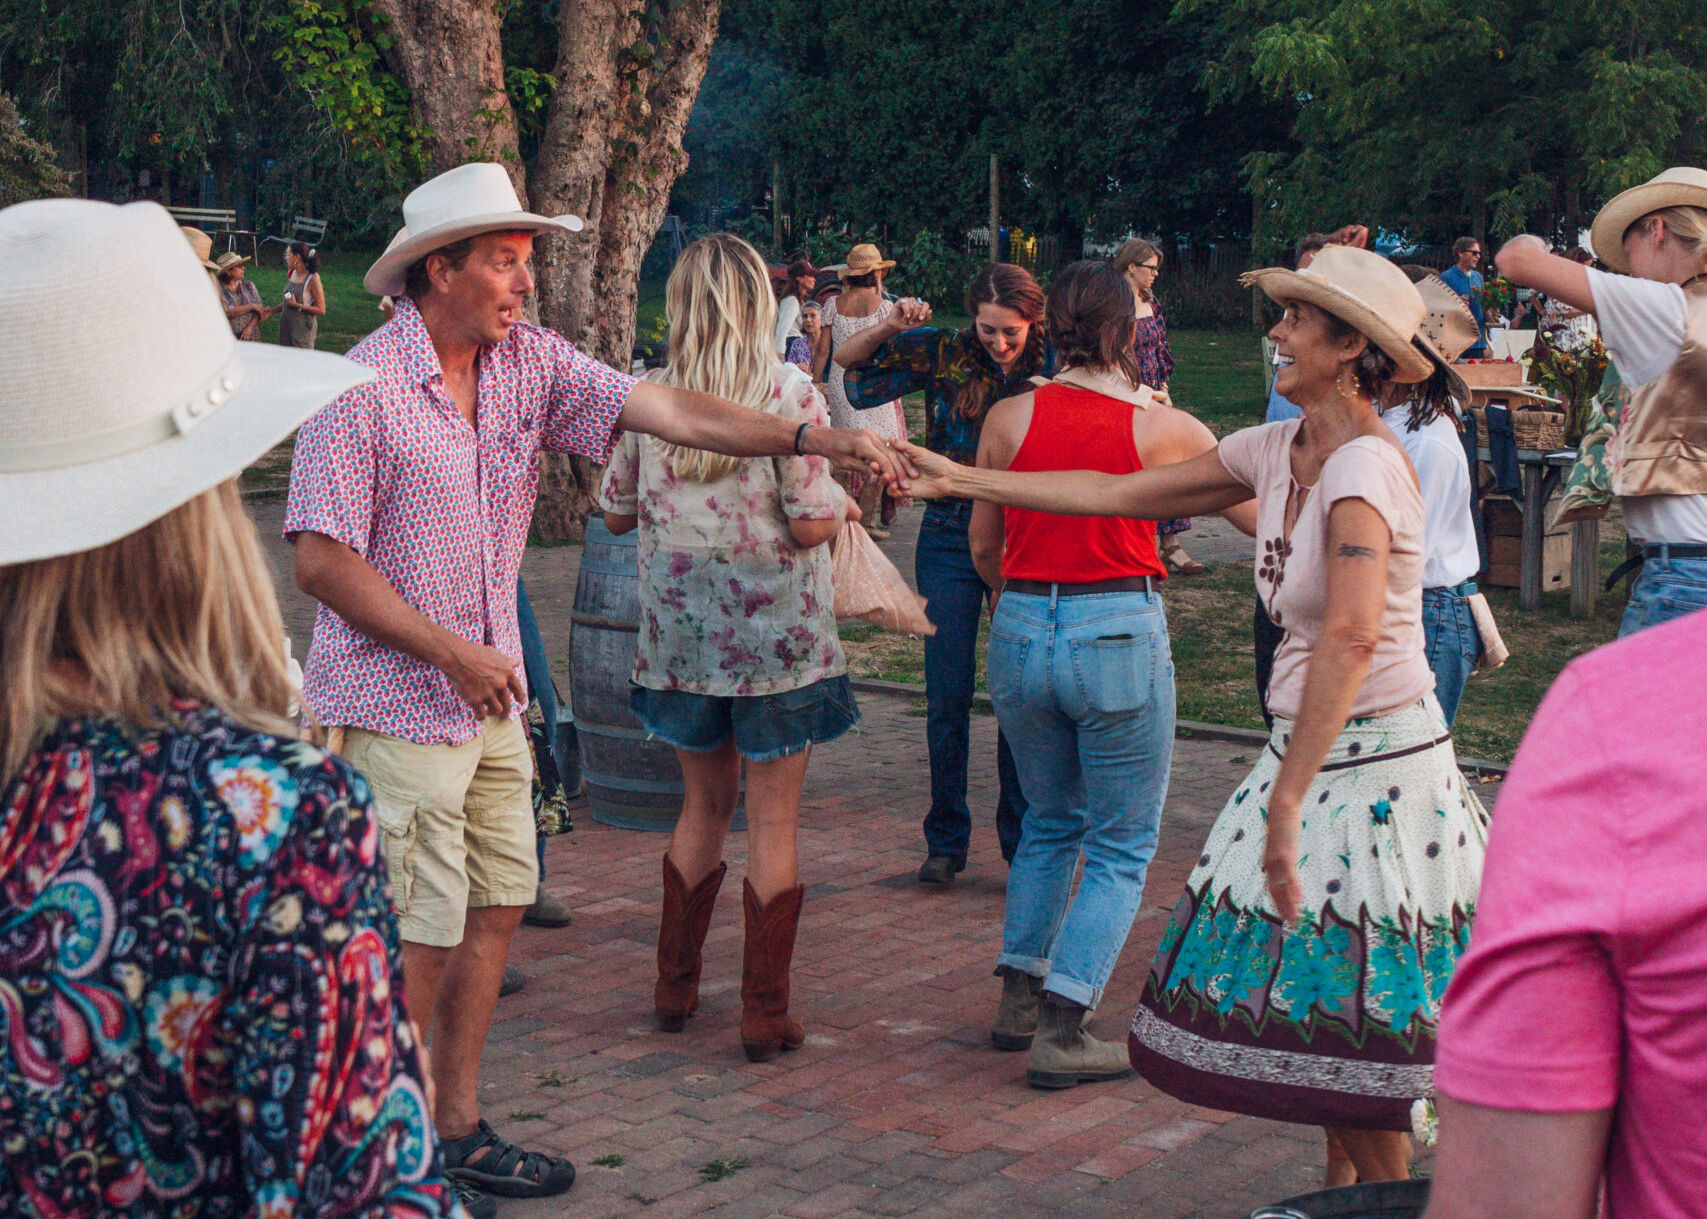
(149, 773)
(1653, 320)
(1299, 930)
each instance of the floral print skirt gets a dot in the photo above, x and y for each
(1330, 1021)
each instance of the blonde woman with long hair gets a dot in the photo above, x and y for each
(738, 656)
(200, 954)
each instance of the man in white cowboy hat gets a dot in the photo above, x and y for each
(410, 501)
(1653, 319)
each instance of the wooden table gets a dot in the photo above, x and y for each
(1540, 473)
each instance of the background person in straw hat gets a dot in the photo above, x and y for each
(201, 963)
(240, 299)
(1653, 320)
(1299, 978)
(860, 306)
(410, 500)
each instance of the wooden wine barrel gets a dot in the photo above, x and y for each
(632, 782)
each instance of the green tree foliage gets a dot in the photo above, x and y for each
(27, 169)
(884, 114)
(1435, 117)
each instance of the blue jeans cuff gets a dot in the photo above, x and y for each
(1037, 967)
(1073, 990)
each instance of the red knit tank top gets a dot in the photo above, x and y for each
(1078, 429)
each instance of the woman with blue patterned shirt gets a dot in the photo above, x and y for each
(962, 374)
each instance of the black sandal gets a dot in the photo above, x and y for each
(478, 1205)
(499, 1167)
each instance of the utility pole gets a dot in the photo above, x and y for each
(995, 209)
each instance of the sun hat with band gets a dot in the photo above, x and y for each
(101, 435)
(461, 202)
(863, 259)
(1364, 291)
(1681, 186)
(1447, 331)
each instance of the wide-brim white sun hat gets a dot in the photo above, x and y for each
(102, 433)
(461, 202)
(1681, 186)
(1364, 291)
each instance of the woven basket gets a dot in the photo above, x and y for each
(1534, 427)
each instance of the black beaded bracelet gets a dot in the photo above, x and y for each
(799, 435)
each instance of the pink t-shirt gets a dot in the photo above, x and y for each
(1586, 981)
(1292, 575)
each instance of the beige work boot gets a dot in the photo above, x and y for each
(1063, 1054)
(1016, 1017)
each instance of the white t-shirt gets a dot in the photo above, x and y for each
(787, 324)
(1450, 555)
(1642, 323)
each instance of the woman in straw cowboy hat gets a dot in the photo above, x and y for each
(860, 306)
(201, 962)
(1653, 319)
(240, 299)
(1301, 974)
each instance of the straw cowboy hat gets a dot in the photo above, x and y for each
(100, 437)
(461, 202)
(202, 244)
(227, 260)
(1678, 187)
(1363, 290)
(863, 259)
(1448, 330)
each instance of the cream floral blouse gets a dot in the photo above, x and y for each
(729, 605)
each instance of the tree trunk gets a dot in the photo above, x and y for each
(612, 149)
(451, 55)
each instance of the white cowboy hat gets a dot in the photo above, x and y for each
(473, 198)
(101, 435)
(1364, 291)
(1680, 186)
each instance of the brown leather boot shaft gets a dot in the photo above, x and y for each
(766, 1026)
(681, 936)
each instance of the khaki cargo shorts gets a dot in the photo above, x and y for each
(457, 824)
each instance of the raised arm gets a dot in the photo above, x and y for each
(1526, 261)
(1189, 488)
(705, 421)
(1358, 549)
(906, 315)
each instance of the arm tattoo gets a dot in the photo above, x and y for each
(1348, 551)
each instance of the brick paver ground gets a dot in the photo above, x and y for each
(897, 1104)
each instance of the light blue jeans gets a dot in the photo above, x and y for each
(1667, 588)
(1451, 642)
(1084, 690)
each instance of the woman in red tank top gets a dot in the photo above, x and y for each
(1081, 675)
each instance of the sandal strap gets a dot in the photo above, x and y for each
(500, 1158)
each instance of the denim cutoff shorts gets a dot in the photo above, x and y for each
(766, 727)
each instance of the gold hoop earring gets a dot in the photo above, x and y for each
(1351, 394)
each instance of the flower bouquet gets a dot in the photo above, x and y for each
(1499, 297)
(1572, 365)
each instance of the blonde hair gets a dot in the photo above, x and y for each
(722, 318)
(1687, 224)
(181, 609)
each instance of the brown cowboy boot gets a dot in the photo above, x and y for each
(766, 1026)
(681, 935)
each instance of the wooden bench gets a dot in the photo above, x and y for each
(217, 222)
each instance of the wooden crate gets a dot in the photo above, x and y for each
(1505, 549)
(1490, 375)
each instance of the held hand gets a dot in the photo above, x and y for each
(486, 679)
(861, 450)
(1354, 235)
(909, 314)
(1280, 861)
(1160, 396)
(935, 474)
(851, 514)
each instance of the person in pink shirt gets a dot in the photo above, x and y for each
(1573, 1041)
